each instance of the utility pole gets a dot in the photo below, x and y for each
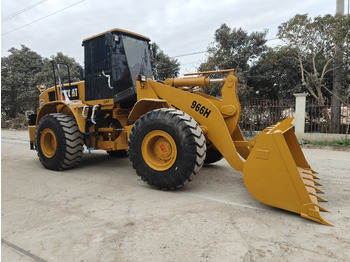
(340, 7)
(337, 77)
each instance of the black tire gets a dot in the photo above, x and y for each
(213, 156)
(63, 143)
(188, 142)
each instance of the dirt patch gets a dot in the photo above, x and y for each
(102, 211)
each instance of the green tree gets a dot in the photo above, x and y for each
(162, 65)
(18, 82)
(46, 77)
(316, 43)
(22, 71)
(275, 75)
(234, 48)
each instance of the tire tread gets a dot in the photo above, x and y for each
(195, 140)
(73, 142)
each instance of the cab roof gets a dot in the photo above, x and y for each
(117, 30)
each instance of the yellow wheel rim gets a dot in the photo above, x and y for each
(48, 143)
(159, 150)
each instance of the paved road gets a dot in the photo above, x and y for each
(102, 211)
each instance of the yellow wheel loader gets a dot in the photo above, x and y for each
(169, 129)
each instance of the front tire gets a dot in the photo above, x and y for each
(59, 142)
(166, 148)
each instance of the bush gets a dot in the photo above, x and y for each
(19, 122)
(342, 143)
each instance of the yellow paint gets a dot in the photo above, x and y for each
(159, 150)
(48, 143)
(187, 81)
(277, 173)
(274, 167)
(32, 131)
(143, 106)
(273, 164)
(116, 30)
(205, 112)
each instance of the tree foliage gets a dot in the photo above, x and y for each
(21, 72)
(275, 75)
(162, 65)
(46, 76)
(234, 48)
(316, 43)
(18, 83)
(305, 62)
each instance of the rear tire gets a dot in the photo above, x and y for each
(166, 148)
(59, 142)
(118, 153)
(213, 156)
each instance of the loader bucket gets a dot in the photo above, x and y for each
(277, 173)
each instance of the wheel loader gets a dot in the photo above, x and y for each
(169, 128)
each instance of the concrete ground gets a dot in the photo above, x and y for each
(102, 211)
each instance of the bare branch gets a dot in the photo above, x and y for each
(314, 63)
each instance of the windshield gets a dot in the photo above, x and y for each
(138, 58)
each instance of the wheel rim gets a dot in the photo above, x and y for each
(48, 143)
(159, 150)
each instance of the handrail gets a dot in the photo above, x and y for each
(60, 83)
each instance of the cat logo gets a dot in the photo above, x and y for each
(72, 92)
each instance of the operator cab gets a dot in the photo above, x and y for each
(113, 59)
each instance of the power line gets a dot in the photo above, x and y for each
(191, 63)
(201, 52)
(22, 10)
(43, 18)
(196, 53)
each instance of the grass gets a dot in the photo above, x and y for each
(340, 143)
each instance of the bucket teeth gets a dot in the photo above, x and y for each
(309, 172)
(308, 177)
(311, 211)
(312, 186)
(309, 182)
(277, 173)
(312, 192)
(321, 198)
(318, 197)
(309, 169)
(316, 183)
(322, 208)
(311, 178)
(314, 176)
(319, 190)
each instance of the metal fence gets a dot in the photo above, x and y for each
(259, 114)
(332, 117)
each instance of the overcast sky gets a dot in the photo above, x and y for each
(178, 27)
